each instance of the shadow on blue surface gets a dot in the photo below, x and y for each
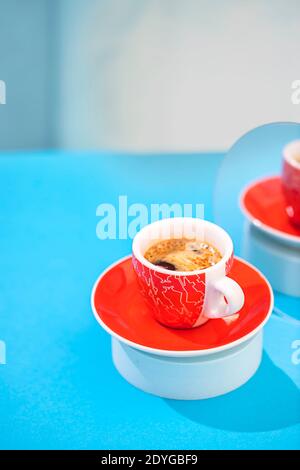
(277, 405)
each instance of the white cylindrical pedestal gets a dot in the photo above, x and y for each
(279, 262)
(188, 378)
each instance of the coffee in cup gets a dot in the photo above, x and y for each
(183, 254)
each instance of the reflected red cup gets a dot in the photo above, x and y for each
(291, 180)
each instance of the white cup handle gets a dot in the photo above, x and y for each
(233, 293)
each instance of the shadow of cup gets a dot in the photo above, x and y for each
(269, 401)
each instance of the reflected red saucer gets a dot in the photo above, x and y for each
(263, 203)
(121, 310)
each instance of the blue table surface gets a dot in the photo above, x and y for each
(59, 389)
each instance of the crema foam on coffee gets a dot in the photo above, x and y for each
(297, 158)
(182, 254)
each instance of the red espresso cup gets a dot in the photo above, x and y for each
(291, 180)
(187, 299)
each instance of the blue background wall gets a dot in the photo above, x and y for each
(28, 65)
(145, 75)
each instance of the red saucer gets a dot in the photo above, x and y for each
(121, 310)
(263, 203)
